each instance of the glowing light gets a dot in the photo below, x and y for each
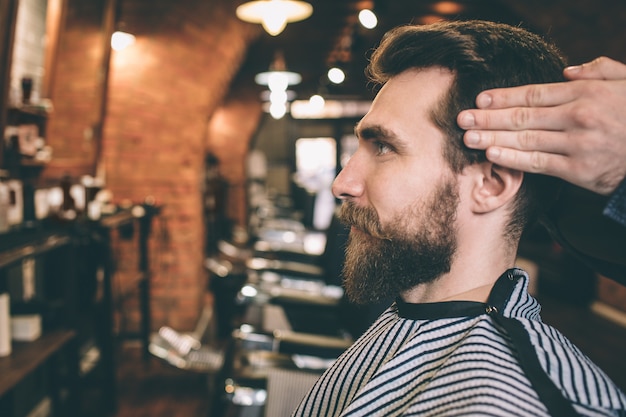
(121, 40)
(316, 103)
(274, 15)
(278, 96)
(368, 19)
(249, 291)
(278, 110)
(336, 75)
(278, 79)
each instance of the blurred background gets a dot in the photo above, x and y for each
(187, 122)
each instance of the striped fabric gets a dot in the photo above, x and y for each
(464, 359)
(285, 389)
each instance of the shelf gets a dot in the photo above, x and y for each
(27, 356)
(32, 163)
(29, 110)
(12, 255)
(118, 219)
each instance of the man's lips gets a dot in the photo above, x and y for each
(357, 230)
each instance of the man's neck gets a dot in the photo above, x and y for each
(471, 278)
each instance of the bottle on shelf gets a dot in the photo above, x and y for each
(5, 324)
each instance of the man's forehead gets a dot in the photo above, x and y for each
(406, 101)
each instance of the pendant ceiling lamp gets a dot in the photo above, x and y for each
(278, 78)
(274, 15)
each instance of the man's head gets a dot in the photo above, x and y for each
(481, 55)
(403, 186)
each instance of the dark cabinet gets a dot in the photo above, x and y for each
(38, 271)
(64, 272)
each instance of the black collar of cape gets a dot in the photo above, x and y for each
(499, 296)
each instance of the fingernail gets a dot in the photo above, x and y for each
(467, 120)
(472, 138)
(484, 100)
(573, 69)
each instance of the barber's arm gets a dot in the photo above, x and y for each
(574, 130)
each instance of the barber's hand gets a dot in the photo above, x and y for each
(575, 130)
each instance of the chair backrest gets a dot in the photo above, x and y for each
(285, 389)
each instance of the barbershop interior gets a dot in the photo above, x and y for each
(169, 244)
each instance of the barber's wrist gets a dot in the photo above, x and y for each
(616, 206)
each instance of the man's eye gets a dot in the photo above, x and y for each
(381, 148)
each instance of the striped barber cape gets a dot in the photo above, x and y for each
(465, 358)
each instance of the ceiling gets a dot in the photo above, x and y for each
(333, 36)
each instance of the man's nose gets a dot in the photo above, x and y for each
(348, 183)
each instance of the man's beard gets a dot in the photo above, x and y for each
(416, 247)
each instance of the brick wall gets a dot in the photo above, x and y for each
(229, 132)
(164, 111)
(162, 94)
(76, 90)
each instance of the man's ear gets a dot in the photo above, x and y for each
(494, 186)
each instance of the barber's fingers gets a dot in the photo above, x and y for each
(601, 68)
(557, 165)
(590, 78)
(523, 141)
(546, 163)
(516, 118)
(533, 95)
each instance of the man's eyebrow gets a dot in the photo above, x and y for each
(373, 132)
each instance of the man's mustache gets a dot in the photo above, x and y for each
(362, 218)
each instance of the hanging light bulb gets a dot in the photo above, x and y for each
(316, 103)
(278, 110)
(278, 96)
(121, 40)
(336, 75)
(278, 81)
(274, 15)
(368, 19)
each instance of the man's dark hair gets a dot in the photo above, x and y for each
(481, 55)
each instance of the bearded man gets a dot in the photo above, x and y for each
(437, 226)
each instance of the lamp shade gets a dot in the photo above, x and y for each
(274, 15)
(278, 80)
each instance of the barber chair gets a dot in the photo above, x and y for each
(189, 351)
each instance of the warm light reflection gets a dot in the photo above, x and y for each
(430, 19)
(447, 7)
